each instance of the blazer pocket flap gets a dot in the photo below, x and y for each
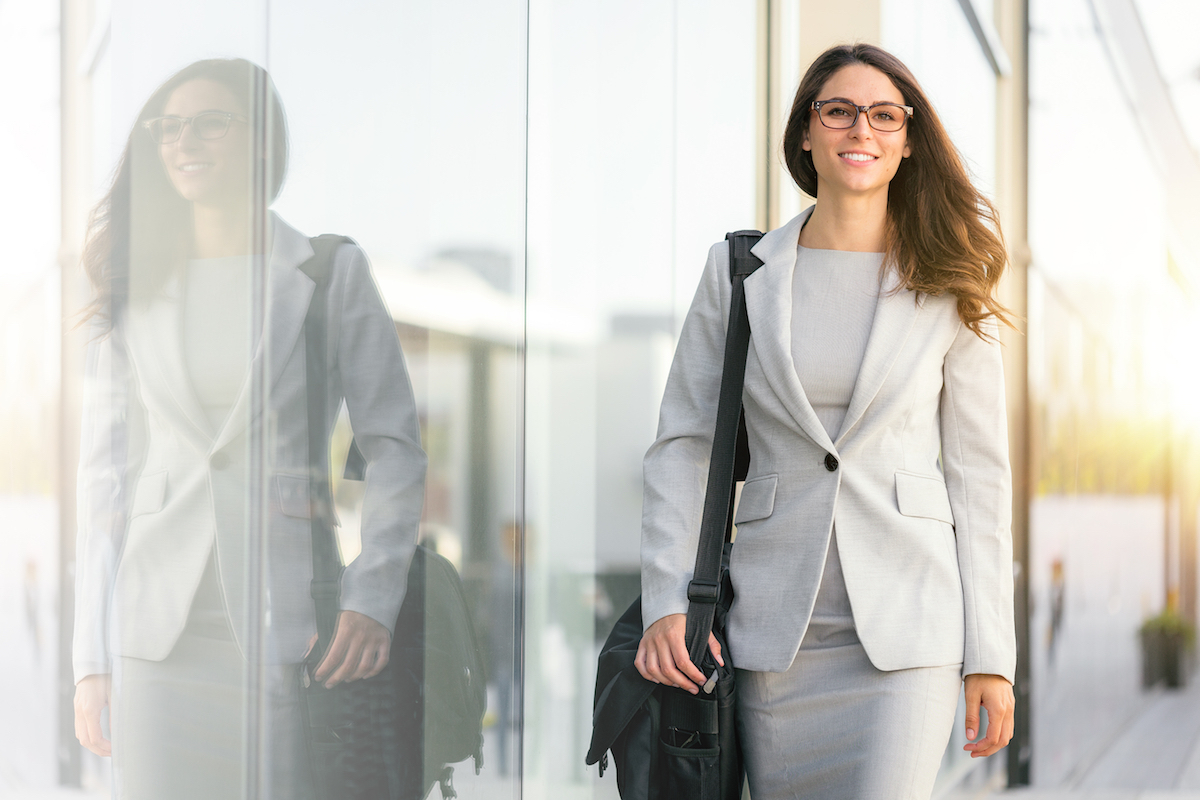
(923, 496)
(757, 499)
(150, 494)
(292, 493)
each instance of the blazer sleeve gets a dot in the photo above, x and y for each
(108, 453)
(675, 469)
(974, 431)
(383, 414)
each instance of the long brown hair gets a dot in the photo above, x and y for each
(142, 229)
(943, 235)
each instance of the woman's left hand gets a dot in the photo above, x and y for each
(996, 695)
(359, 650)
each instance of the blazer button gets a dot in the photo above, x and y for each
(221, 461)
(831, 462)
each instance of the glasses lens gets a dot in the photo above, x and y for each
(886, 117)
(210, 126)
(838, 115)
(165, 129)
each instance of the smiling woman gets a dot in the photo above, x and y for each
(180, 163)
(181, 630)
(878, 578)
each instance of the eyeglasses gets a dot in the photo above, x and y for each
(209, 125)
(884, 117)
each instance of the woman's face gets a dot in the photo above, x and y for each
(858, 160)
(214, 172)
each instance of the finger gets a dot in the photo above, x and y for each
(349, 663)
(334, 655)
(673, 672)
(365, 663)
(382, 656)
(715, 647)
(653, 674)
(639, 661)
(96, 741)
(972, 717)
(683, 662)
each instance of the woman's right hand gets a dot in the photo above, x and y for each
(662, 655)
(92, 695)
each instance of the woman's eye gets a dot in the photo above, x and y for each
(885, 116)
(838, 111)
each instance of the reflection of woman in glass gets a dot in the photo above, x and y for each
(873, 563)
(175, 456)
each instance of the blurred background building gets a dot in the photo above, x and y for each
(537, 184)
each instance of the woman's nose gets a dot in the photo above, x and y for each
(188, 140)
(861, 128)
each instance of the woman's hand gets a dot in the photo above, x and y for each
(359, 650)
(92, 695)
(996, 695)
(662, 656)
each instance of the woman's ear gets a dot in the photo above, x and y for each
(805, 144)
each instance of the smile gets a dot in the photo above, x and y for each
(194, 166)
(857, 157)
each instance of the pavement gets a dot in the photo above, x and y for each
(1154, 757)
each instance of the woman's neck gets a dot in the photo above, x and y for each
(219, 231)
(847, 222)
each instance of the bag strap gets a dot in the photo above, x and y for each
(729, 440)
(326, 560)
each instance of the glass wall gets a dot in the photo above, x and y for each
(935, 40)
(1111, 355)
(641, 155)
(530, 190)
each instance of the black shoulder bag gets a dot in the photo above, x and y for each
(392, 736)
(666, 742)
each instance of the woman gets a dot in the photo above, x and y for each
(180, 600)
(872, 568)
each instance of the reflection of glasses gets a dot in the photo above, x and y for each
(885, 117)
(209, 125)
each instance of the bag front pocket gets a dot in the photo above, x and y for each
(690, 772)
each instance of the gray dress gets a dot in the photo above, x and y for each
(833, 726)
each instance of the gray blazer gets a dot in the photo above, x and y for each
(918, 481)
(183, 487)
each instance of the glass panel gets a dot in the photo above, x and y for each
(641, 147)
(171, 604)
(935, 40)
(227, 339)
(31, 580)
(1111, 349)
(407, 125)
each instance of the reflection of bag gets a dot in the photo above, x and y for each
(666, 742)
(392, 736)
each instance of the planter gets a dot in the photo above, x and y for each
(1164, 657)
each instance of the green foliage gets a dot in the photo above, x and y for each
(1170, 623)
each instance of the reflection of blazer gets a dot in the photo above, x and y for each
(187, 486)
(924, 542)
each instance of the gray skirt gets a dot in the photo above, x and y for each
(178, 724)
(833, 726)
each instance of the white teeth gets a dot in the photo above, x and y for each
(858, 157)
(193, 167)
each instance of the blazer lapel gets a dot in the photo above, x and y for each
(288, 293)
(156, 333)
(769, 305)
(895, 315)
